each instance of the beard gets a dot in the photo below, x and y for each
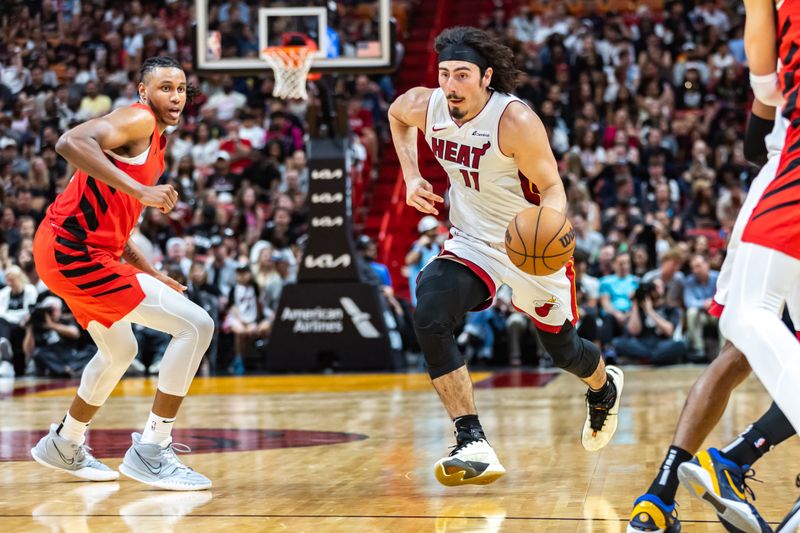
(456, 113)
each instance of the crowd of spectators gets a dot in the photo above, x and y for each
(644, 103)
(237, 160)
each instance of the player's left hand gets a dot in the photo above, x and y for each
(171, 283)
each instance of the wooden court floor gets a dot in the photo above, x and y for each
(352, 453)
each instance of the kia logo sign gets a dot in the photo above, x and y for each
(327, 174)
(327, 261)
(327, 198)
(327, 222)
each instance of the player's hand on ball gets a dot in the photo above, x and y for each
(420, 195)
(164, 197)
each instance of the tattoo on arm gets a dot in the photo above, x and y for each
(131, 256)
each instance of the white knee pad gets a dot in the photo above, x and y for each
(116, 348)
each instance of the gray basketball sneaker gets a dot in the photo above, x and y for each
(54, 451)
(159, 466)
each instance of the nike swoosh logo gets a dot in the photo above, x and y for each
(438, 129)
(155, 470)
(469, 468)
(67, 461)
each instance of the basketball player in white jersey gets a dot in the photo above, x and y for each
(498, 158)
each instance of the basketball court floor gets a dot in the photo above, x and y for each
(355, 453)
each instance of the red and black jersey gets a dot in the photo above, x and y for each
(775, 222)
(79, 243)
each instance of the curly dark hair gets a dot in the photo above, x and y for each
(505, 75)
(152, 63)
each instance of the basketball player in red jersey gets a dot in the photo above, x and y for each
(77, 250)
(767, 264)
(497, 155)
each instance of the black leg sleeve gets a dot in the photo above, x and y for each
(446, 290)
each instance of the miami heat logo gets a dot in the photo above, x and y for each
(543, 307)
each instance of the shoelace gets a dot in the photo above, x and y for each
(750, 475)
(172, 459)
(84, 453)
(461, 446)
(598, 413)
(674, 512)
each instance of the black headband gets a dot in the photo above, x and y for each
(462, 52)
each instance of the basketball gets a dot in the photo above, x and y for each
(540, 240)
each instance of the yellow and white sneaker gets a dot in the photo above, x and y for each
(472, 462)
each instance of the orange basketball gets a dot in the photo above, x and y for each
(540, 240)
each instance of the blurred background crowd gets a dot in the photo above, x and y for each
(645, 105)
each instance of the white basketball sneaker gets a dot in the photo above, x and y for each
(601, 417)
(472, 462)
(54, 451)
(158, 466)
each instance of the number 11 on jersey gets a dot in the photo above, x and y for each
(467, 174)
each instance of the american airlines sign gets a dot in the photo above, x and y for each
(327, 261)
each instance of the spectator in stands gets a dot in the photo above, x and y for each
(424, 249)
(643, 109)
(616, 297)
(93, 104)
(245, 317)
(369, 252)
(221, 269)
(176, 255)
(279, 230)
(698, 293)
(285, 265)
(586, 239)
(587, 289)
(200, 292)
(16, 301)
(51, 341)
(650, 328)
(670, 274)
(226, 101)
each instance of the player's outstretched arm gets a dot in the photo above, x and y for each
(523, 137)
(406, 116)
(760, 45)
(83, 147)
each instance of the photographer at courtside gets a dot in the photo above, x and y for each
(52, 340)
(650, 328)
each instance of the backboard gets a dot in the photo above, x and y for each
(232, 34)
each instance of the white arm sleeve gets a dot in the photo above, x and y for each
(767, 89)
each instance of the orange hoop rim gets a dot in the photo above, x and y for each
(290, 56)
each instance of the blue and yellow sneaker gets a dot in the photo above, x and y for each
(721, 482)
(653, 515)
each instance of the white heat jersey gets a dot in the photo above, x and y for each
(486, 187)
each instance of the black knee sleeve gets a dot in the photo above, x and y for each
(570, 352)
(446, 290)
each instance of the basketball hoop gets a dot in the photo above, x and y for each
(290, 65)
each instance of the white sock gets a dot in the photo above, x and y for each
(73, 430)
(157, 430)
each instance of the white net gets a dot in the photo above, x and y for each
(290, 65)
